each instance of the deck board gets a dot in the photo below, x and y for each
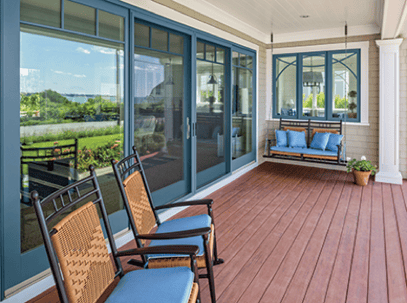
(377, 266)
(300, 234)
(395, 269)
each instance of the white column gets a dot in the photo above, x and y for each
(389, 112)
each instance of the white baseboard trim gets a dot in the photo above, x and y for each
(392, 178)
(44, 280)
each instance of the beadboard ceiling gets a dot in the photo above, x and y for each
(282, 17)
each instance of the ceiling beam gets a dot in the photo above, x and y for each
(394, 18)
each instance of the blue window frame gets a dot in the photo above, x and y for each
(317, 85)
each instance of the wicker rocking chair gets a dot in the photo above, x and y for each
(196, 230)
(85, 269)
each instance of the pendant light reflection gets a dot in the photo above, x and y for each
(170, 80)
(212, 79)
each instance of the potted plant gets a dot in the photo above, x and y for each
(361, 170)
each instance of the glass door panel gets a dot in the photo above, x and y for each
(242, 112)
(210, 116)
(160, 114)
(71, 99)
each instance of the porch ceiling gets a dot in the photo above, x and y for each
(283, 17)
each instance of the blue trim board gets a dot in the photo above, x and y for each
(1, 158)
(187, 113)
(193, 114)
(10, 141)
(130, 77)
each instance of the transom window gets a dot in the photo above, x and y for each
(72, 16)
(319, 85)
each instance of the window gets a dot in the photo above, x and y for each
(318, 85)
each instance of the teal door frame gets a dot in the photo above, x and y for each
(217, 169)
(249, 157)
(10, 143)
(183, 187)
(17, 267)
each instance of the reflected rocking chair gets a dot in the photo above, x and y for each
(196, 230)
(85, 270)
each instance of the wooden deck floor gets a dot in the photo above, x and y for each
(300, 234)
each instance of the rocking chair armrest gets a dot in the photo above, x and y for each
(177, 234)
(191, 250)
(186, 203)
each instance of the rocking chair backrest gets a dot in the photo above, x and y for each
(136, 194)
(139, 203)
(77, 242)
(83, 256)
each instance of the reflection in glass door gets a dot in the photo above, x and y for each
(242, 104)
(160, 112)
(210, 113)
(71, 116)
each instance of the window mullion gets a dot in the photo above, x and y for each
(299, 86)
(328, 86)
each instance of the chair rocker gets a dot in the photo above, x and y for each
(195, 230)
(85, 270)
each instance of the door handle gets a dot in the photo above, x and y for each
(188, 129)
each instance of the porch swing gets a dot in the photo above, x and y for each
(282, 149)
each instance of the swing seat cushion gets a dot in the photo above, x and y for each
(306, 152)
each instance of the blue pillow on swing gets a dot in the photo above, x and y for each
(281, 138)
(320, 141)
(296, 139)
(333, 142)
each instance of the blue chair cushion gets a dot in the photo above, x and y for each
(281, 138)
(193, 222)
(172, 285)
(320, 141)
(305, 151)
(296, 139)
(333, 142)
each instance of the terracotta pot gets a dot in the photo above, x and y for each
(361, 177)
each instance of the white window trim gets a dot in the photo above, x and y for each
(364, 73)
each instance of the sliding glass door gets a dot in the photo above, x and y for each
(162, 110)
(243, 134)
(72, 109)
(211, 121)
